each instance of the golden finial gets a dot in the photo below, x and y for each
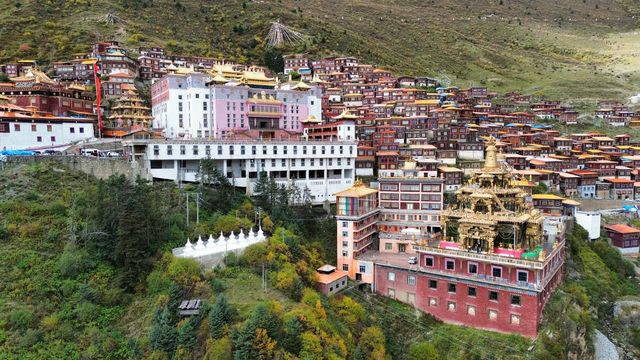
(490, 157)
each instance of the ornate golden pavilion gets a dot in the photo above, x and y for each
(128, 114)
(491, 214)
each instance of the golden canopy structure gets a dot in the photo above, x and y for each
(490, 212)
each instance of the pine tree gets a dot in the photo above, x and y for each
(164, 335)
(262, 317)
(187, 333)
(135, 232)
(291, 340)
(219, 317)
(175, 298)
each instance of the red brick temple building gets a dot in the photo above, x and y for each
(494, 265)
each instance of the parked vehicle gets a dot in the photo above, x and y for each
(90, 152)
(413, 260)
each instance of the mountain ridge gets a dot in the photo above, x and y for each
(570, 49)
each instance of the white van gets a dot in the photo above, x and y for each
(89, 152)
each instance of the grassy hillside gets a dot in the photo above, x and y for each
(66, 295)
(574, 48)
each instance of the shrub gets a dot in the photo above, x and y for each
(21, 319)
(184, 272)
(157, 282)
(74, 261)
(135, 38)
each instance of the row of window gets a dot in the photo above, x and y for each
(410, 197)
(410, 206)
(206, 96)
(342, 283)
(254, 149)
(34, 128)
(472, 268)
(410, 187)
(452, 288)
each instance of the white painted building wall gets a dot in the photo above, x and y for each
(590, 221)
(39, 136)
(324, 167)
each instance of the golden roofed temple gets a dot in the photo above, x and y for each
(128, 114)
(492, 215)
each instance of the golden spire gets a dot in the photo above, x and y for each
(490, 157)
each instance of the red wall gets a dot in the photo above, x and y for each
(529, 310)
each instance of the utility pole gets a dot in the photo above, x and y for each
(197, 208)
(187, 208)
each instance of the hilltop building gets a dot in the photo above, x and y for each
(29, 129)
(624, 238)
(35, 89)
(110, 56)
(227, 103)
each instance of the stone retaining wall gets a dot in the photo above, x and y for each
(101, 168)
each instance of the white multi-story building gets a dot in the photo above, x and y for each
(198, 105)
(322, 167)
(24, 131)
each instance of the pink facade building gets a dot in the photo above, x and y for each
(200, 105)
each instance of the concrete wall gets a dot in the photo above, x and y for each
(101, 168)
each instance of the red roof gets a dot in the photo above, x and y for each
(329, 278)
(622, 229)
(618, 180)
(583, 172)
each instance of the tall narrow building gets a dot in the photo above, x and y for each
(357, 216)
(128, 114)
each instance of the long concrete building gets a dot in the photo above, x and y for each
(323, 167)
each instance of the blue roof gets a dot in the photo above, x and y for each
(541, 126)
(16, 152)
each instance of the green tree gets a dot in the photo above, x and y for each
(187, 333)
(219, 349)
(311, 346)
(220, 317)
(262, 317)
(540, 188)
(372, 343)
(175, 298)
(164, 335)
(423, 351)
(273, 60)
(291, 340)
(218, 194)
(295, 75)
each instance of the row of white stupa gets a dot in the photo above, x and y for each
(221, 244)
